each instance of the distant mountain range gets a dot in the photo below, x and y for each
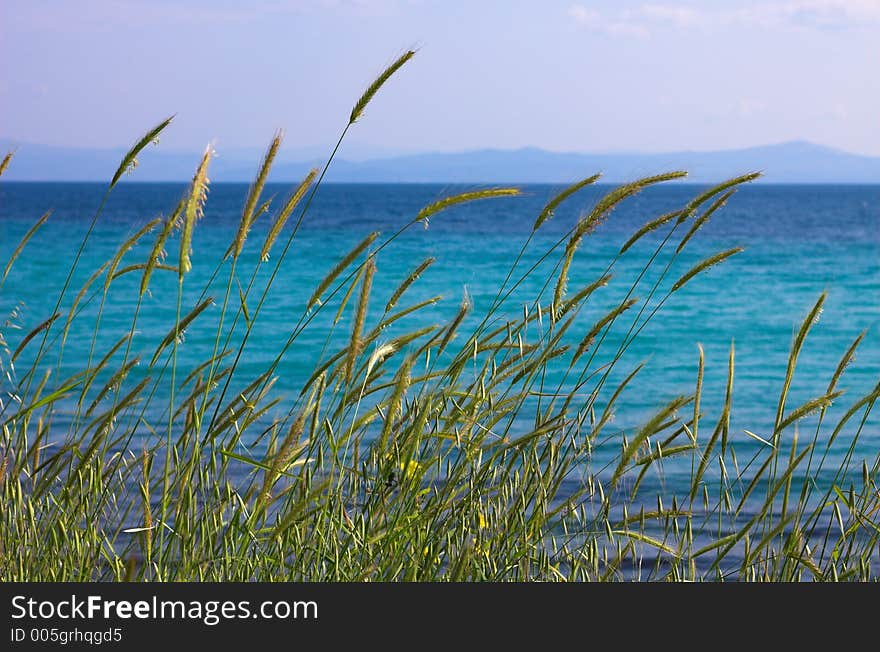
(792, 162)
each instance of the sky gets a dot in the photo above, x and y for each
(585, 76)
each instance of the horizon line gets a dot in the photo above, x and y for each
(17, 143)
(678, 182)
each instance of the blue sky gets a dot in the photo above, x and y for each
(562, 75)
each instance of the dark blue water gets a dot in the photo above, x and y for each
(799, 240)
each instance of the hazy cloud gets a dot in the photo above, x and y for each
(597, 21)
(812, 13)
(644, 20)
(680, 16)
(749, 106)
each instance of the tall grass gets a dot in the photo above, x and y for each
(441, 453)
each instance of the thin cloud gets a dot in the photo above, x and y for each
(680, 16)
(821, 14)
(647, 19)
(599, 22)
(748, 107)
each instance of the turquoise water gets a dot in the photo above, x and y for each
(799, 240)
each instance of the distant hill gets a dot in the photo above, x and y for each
(793, 162)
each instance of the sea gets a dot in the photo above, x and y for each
(798, 241)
